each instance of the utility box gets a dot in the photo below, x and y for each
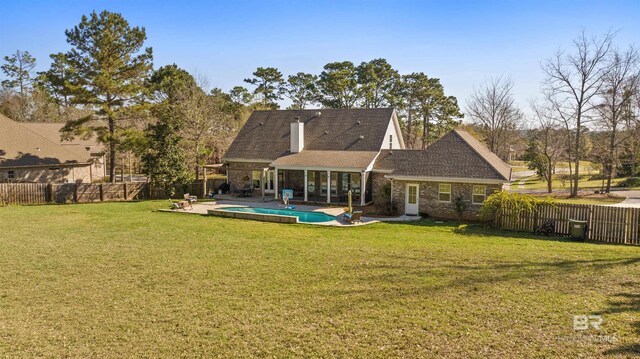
(578, 229)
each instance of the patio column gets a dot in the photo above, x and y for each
(305, 185)
(262, 181)
(328, 186)
(275, 183)
(204, 182)
(363, 189)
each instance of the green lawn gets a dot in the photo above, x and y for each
(121, 280)
(536, 182)
(590, 200)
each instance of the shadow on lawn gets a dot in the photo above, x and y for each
(480, 230)
(628, 302)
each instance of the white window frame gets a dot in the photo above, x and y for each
(440, 192)
(474, 194)
(11, 174)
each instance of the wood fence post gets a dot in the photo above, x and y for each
(125, 190)
(49, 192)
(627, 224)
(589, 222)
(75, 192)
(101, 193)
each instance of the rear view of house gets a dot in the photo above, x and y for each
(321, 155)
(33, 153)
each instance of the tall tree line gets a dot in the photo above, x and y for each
(425, 110)
(105, 86)
(589, 109)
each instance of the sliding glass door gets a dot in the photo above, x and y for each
(317, 186)
(341, 183)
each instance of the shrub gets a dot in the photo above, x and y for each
(460, 206)
(518, 201)
(630, 182)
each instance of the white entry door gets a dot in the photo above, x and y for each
(411, 200)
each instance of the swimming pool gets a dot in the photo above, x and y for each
(303, 216)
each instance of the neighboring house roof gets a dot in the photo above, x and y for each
(52, 132)
(326, 159)
(456, 155)
(22, 147)
(266, 134)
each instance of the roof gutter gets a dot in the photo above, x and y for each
(445, 179)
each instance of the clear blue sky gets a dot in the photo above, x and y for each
(460, 42)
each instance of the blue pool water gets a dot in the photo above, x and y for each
(308, 217)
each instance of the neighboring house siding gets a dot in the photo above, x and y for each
(395, 137)
(77, 174)
(238, 171)
(428, 198)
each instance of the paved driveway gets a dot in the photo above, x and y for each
(632, 201)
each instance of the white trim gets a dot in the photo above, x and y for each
(394, 118)
(328, 186)
(381, 171)
(484, 195)
(334, 169)
(450, 193)
(268, 162)
(406, 198)
(363, 189)
(275, 184)
(446, 179)
(306, 186)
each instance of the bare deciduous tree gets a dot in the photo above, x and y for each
(573, 80)
(493, 109)
(202, 117)
(615, 96)
(550, 138)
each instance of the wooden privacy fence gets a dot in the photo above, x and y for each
(39, 193)
(604, 223)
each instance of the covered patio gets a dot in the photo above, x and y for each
(325, 176)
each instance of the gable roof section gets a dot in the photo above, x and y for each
(359, 160)
(455, 155)
(51, 130)
(265, 135)
(20, 147)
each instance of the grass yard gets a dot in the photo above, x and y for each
(119, 279)
(601, 199)
(536, 182)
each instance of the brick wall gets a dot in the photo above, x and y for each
(238, 172)
(428, 200)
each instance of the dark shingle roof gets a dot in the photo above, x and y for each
(19, 146)
(51, 130)
(327, 159)
(455, 155)
(265, 135)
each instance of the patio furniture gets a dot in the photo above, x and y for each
(246, 192)
(180, 205)
(354, 217)
(190, 198)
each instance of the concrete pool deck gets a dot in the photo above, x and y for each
(202, 208)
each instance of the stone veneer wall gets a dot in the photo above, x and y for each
(236, 171)
(428, 200)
